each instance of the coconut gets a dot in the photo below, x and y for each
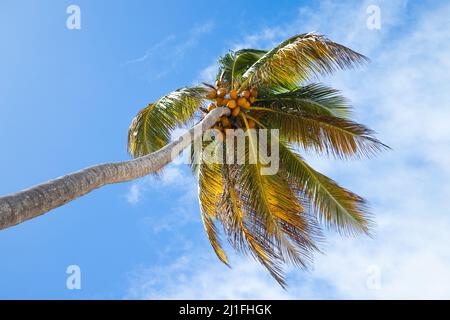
(246, 94)
(235, 112)
(225, 122)
(212, 94)
(233, 94)
(253, 92)
(231, 104)
(242, 102)
(219, 102)
(221, 92)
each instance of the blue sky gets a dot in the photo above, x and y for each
(67, 98)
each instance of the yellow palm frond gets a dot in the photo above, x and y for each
(276, 217)
(210, 192)
(243, 231)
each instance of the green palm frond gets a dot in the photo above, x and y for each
(301, 58)
(335, 206)
(234, 64)
(314, 99)
(151, 129)
(338, 137)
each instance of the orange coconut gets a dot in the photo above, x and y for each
(225, 122)
(231, 104)
(221, 92)
(219, 102)
(233, 94)
(241, 102)
(212, 94)
(235, 112)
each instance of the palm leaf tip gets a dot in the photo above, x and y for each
(301, 58)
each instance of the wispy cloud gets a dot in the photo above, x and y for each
(208, 74)
(182, 210)
(134, 193)
(197, 276)
(165, 56)
(151, 50)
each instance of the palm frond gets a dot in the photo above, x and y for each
(210, 191)
(151, 129)
(269, 201)
(315, 99)
(334, 205)
(278, 217)
(301, 58)
(234, 64)
(338, 137)
(246, 233)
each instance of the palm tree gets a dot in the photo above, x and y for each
(274, 218)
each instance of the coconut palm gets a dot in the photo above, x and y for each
(275, 218)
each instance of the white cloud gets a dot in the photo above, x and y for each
(181, 211)
(210, 280)
(171, 176)
(134, 193)
(403, 94)
(208, 74)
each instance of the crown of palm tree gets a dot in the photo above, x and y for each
(275, 218)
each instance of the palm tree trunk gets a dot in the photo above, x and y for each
(37, 200)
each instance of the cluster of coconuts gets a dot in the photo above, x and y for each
(237, 101)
